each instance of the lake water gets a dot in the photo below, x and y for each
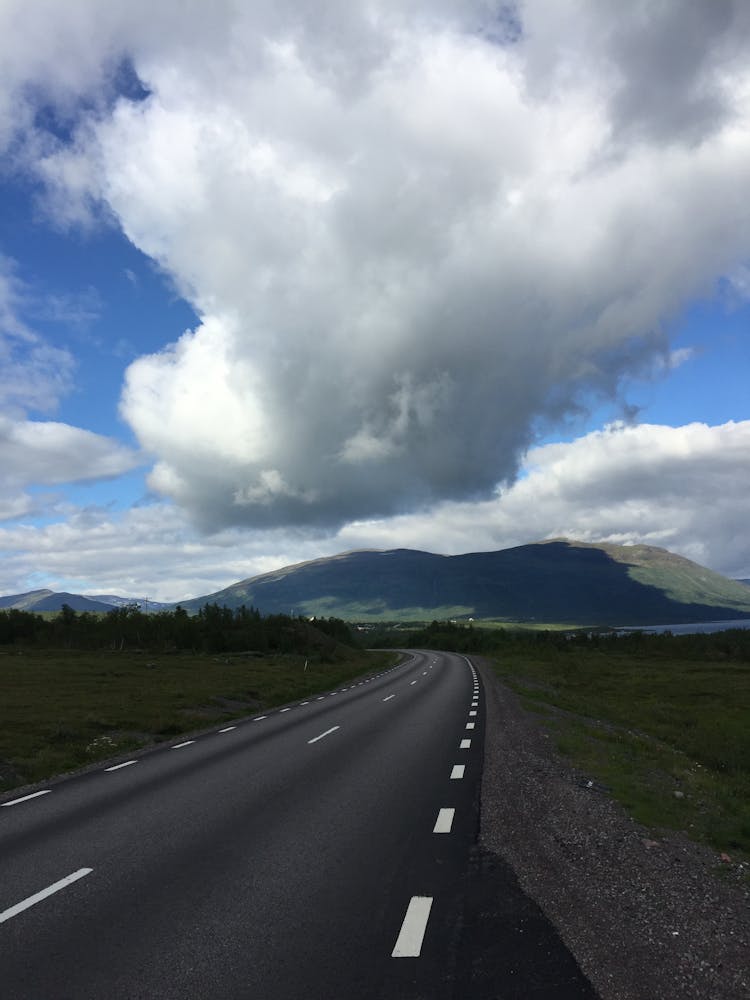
(688, 629)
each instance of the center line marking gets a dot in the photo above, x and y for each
(185, 744)
(227, 729)
(465, 744)
(25, 798)
(388, 698)
(39, 896)
(444, 821)
(458, 771)
(326, 733)
(117, 767)
(410, 937)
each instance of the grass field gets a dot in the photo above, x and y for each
(648, 726)
(62, 710)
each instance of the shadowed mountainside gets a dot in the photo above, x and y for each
(554, 581)
(49, 600)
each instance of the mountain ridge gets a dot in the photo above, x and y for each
(557, 580)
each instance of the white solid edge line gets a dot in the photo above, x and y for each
(388, 697)
(25, 798)
(117, 767)
(178, 746)
(410, 937)
(39, 896)
(227, 729)
(444, 821)
(465, 744)
(458, 771)
(326, 733)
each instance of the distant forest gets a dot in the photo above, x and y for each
(213, 629)
(731, 644)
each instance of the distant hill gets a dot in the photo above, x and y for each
(113, 601)
(49, 600)
(553, 581)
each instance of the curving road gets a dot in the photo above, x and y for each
(318, 851)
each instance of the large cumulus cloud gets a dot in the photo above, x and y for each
(414, 233)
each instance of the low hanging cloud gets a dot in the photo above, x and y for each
(684, 488)
(414, 233)
(37, 452)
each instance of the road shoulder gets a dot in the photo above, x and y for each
(645, 919)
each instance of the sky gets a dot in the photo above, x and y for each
(280, 280)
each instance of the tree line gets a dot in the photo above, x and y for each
(213, 629)
(729, 644)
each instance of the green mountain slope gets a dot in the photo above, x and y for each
(554, 581)
(48, 600)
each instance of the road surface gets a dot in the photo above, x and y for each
(319, 850)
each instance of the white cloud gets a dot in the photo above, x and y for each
(413, 232)
(34, 374)
(682, 488)
(48, 453)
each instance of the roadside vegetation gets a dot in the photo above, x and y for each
(661, 721)
(76, 689)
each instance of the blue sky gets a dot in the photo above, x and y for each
(275, 285)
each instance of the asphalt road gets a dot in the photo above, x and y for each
(318, 851)
(325, 849)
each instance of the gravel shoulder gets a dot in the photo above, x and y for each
(645, 915)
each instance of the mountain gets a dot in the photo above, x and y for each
(553, 581)
(113, 601)
(49, 600)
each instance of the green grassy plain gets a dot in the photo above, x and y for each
(648, 722)
(61, 710)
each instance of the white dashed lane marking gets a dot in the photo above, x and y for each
(326, 733)
(259, 718)
(444, 821)
(43, 894)
(465, 744)
(227, 729)
(25, 798)
(117, 767)
(470, 725)
(388, 697)
(178, 746)
(458, 771)
(410, 938)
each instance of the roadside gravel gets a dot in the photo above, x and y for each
(646, 917)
